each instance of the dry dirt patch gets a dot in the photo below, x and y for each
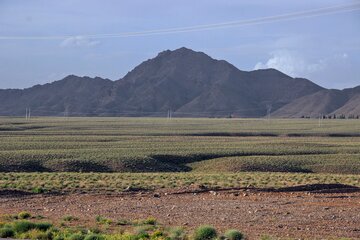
(301, 214)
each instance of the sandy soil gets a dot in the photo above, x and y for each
(301, 215)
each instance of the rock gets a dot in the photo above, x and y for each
(156, 195)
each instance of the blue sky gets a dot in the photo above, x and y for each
(324, 49)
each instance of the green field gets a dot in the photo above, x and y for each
(328, 151)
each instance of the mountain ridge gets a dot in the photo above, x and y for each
(186, 82)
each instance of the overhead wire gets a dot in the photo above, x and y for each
(206, 27)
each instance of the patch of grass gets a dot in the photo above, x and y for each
(177, 233)
(102, 220)
(70, 218)
(6, 232)
(94, 237)
(38, 190)
(233, 234)
(43, 226)
(205, 233)
(123, 222)
(23, 226)
(150, 221)
(76, 236)
(24, 215)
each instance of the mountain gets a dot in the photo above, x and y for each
(75, 94)
(186, 82)
(193, 84)
(324, 102)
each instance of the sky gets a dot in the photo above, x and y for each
(43, 41)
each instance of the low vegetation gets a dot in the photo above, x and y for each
(178, 145)
(119, 182)
(134, 230)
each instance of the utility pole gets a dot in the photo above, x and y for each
(29, 113)
(26, 113)
(269, 106)
(66, 113)
(169, 114)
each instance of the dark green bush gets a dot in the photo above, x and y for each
(205, 233)
(6, 232)
(23, 226)
(43, 226)
(233, 234)
(24, 215)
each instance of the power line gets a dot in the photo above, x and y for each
(254, 21)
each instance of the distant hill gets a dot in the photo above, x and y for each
(186, 82)
(324, 102)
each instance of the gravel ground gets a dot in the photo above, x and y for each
(300, 215)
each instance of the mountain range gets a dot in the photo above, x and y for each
(187, 84)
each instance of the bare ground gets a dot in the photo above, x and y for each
(300, 215)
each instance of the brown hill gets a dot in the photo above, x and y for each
(324, 102)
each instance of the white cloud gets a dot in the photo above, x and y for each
(78, 41)
(291, 63)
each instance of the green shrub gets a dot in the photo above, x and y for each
(205, 233)
(102, 220)
(76, 236)
(157, 234)
(177, 233)
(94, 237)
(23, 226)
(24, 215)
(36, 234)
(150, 221)
(6, 232)
(70, 218)
(58, 237)
(38, 190)
(233, 234)
(141, 232)
(123, 222)
(43, 226)
(143, 235)
(95, 230)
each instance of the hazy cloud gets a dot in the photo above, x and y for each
(79, 41)
(291, 63)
